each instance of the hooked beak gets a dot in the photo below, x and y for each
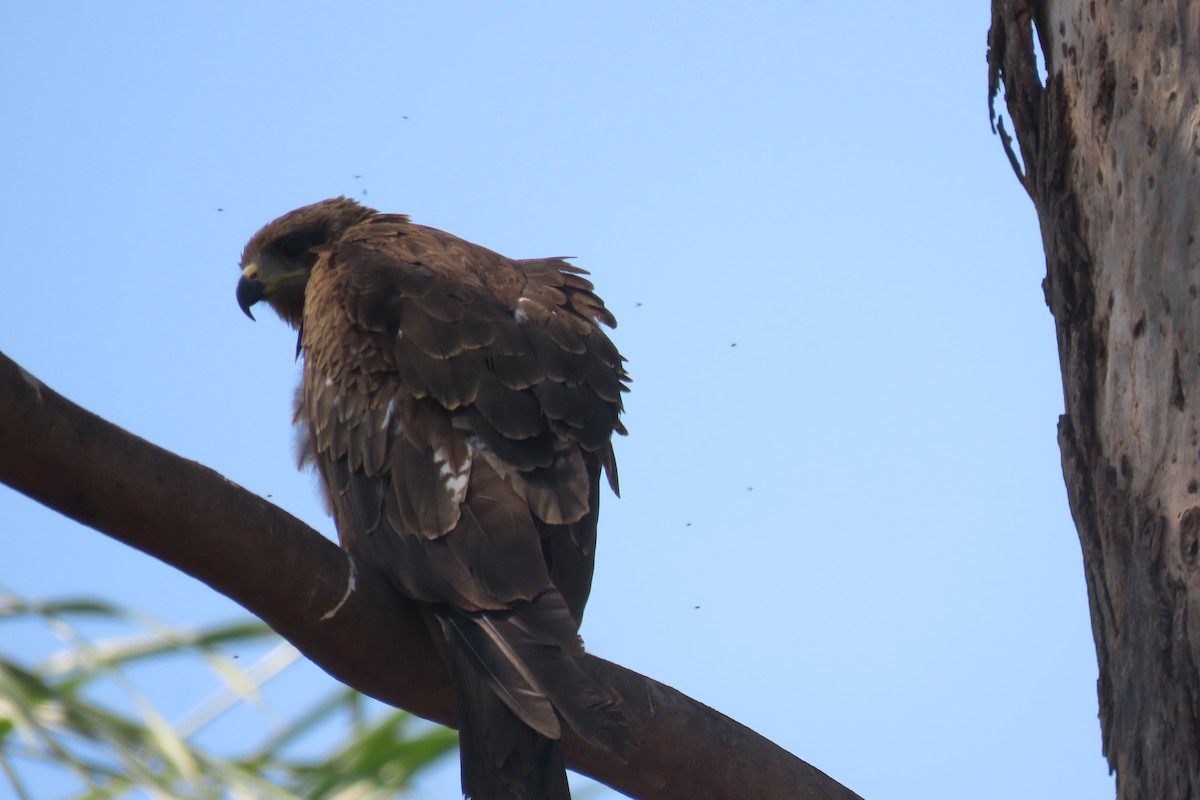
(249, 289)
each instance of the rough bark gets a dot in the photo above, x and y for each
(353, 627)
(1109, 154)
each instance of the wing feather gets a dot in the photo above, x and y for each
(517, 371)
(519, 454)
(453, 382)
(515, 414)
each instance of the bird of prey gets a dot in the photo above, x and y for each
(459, 408)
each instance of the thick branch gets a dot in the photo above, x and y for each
(280, 569)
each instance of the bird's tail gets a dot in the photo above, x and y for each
(502, 758)
(518, 676)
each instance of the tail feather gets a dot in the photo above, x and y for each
(589, 707)
(493, 665)
(502, 758)
(518, 676)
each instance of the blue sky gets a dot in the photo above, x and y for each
(843, 521)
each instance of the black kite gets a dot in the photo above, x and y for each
(459, 406)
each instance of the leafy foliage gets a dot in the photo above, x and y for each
(78, 719)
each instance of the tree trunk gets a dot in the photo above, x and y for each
(1109, 153)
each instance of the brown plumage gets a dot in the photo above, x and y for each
(459, 406)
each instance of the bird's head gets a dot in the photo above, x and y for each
(279, 258)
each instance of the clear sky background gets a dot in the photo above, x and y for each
(843, 519)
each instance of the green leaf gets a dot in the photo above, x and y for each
(49, 719)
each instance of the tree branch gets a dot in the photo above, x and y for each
(359, 631)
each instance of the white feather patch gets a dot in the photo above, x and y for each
(387, 417)
(454, 475)
(519, 313)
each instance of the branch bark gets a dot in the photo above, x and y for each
(349, 623)
(1109, 146)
